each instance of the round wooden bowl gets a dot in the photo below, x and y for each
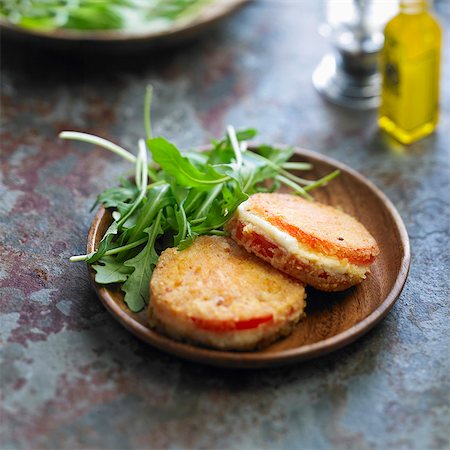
(123, 40)
(333, 319)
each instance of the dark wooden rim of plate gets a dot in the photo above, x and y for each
(256, 359)
(207, 16)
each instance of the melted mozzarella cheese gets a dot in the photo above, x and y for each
(284, 240)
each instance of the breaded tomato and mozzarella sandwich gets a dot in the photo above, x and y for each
(217, 294)
(314, 243)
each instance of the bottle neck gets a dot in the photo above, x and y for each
(414, 6)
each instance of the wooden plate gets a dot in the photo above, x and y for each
(333, 320)
(118, 40)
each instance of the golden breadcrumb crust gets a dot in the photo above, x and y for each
(217, 294)
(320, 227)
(304, 271)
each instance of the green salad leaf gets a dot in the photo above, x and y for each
(111, 271)
(137, 286)
(96, 15)
(115, 196)
(176, 196)
(180, 167)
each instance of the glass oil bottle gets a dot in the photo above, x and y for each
(410, 63)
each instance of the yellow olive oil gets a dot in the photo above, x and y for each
(410, 63)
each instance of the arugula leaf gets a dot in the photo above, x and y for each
(112, 197)
(156, 200)
(276, 155)
(188, 241)
(245, 135)
(214, 220)
(110, 271)
(193, 200)
(185, 173)
(241, 135)
(182, 225)
(196, 158)
(231, 200)
(105, 243)
(136, 287)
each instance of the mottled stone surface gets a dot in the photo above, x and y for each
(74, 378)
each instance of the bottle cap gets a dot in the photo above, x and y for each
(414, 6)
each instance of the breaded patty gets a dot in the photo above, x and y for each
(315, 243)
(217, 294)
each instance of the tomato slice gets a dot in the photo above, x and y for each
(322, 246)
(230, 325)
(264, 247)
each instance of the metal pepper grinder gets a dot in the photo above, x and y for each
(348, 76)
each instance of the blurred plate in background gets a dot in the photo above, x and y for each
(154, 35)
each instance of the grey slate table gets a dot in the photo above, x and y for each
(74, 378)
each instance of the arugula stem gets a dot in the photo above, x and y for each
(79, 258)
(197, 221)
(249, 181)
(189, 205)
(218, 233)
(215, 191)
(144, 170)
(206, 230)
(152, 174)
(294, 178)
(156, 183)
(143, 175)
(235, 144)
(218, 181)
(113, 251)
(124, 248)
(147, 110)
(182, 232)
(323, 180)
(267, 161)
(297, 166)
(294, 186)
(138, 172)
(284, 173)
(91, 139)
